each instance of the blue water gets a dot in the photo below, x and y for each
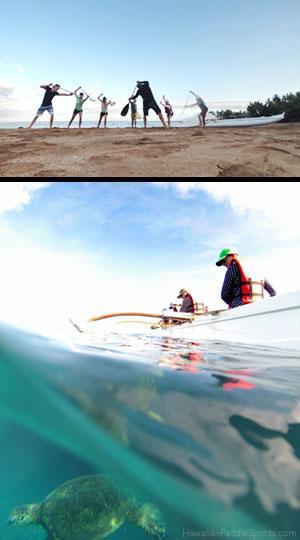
(209, 432)
(42, 124)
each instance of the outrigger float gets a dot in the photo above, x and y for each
(273, 322)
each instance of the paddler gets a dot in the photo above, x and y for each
(168, 109)
(238, 288)
(80, 100)
(149, 102)
(50, 93)
(203, 108)
(188, 304)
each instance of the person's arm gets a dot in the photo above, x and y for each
(69, 94)
(45, 86)
(87, 97)
(100, 96)
(135, 96)
(268, 287)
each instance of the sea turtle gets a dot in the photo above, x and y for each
(88, 508)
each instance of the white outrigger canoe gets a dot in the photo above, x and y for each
(230, 122)
(273, 322)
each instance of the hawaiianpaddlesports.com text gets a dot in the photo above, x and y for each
(238, 533)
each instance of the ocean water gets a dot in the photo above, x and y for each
(209, 432)
(42, 124)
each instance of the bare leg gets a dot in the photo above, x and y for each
(163, 121)
(80, 119)
(34, 120)
(145, 121)
(105, 120)
(200, 119)
(71, 120)
(203, 118)
(51, 120)
(99, 123)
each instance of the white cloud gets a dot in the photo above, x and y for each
(6, 91)
(275, 203)
(14, 195)
(19, 68)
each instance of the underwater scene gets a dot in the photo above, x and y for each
(136, 436)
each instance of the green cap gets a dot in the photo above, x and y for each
(224, 253)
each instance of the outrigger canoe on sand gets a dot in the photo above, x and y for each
(273, 322)
(234, 122)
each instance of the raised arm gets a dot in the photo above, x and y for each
(135, 96)
(45, 86)
(100, 96)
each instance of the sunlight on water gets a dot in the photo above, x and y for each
(207, 432)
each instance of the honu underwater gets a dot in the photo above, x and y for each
(133, 436)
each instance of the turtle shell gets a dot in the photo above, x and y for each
(86, 508)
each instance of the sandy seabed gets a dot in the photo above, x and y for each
(262, 151)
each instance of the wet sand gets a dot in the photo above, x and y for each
(264, 151)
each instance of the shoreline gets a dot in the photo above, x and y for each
(258, 151)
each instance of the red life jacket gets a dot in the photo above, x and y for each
(251, 290)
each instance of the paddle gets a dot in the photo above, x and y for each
(71, 93)
(125, 109)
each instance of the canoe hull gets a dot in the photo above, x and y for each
(272, 322)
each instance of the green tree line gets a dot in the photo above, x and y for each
(276, 105)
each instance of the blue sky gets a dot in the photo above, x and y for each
(228, 51)
(83, 248)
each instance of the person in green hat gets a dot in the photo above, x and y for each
(238, 288)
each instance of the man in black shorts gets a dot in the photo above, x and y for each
(51, 92)
(149, 102)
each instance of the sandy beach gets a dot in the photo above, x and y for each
(265, 151)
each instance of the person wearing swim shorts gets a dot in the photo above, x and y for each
(104, 109)
(51, 92)
(80, 100)
(149, 102)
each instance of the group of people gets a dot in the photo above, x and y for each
(238, 287)
(143, 90)
(53, 90)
